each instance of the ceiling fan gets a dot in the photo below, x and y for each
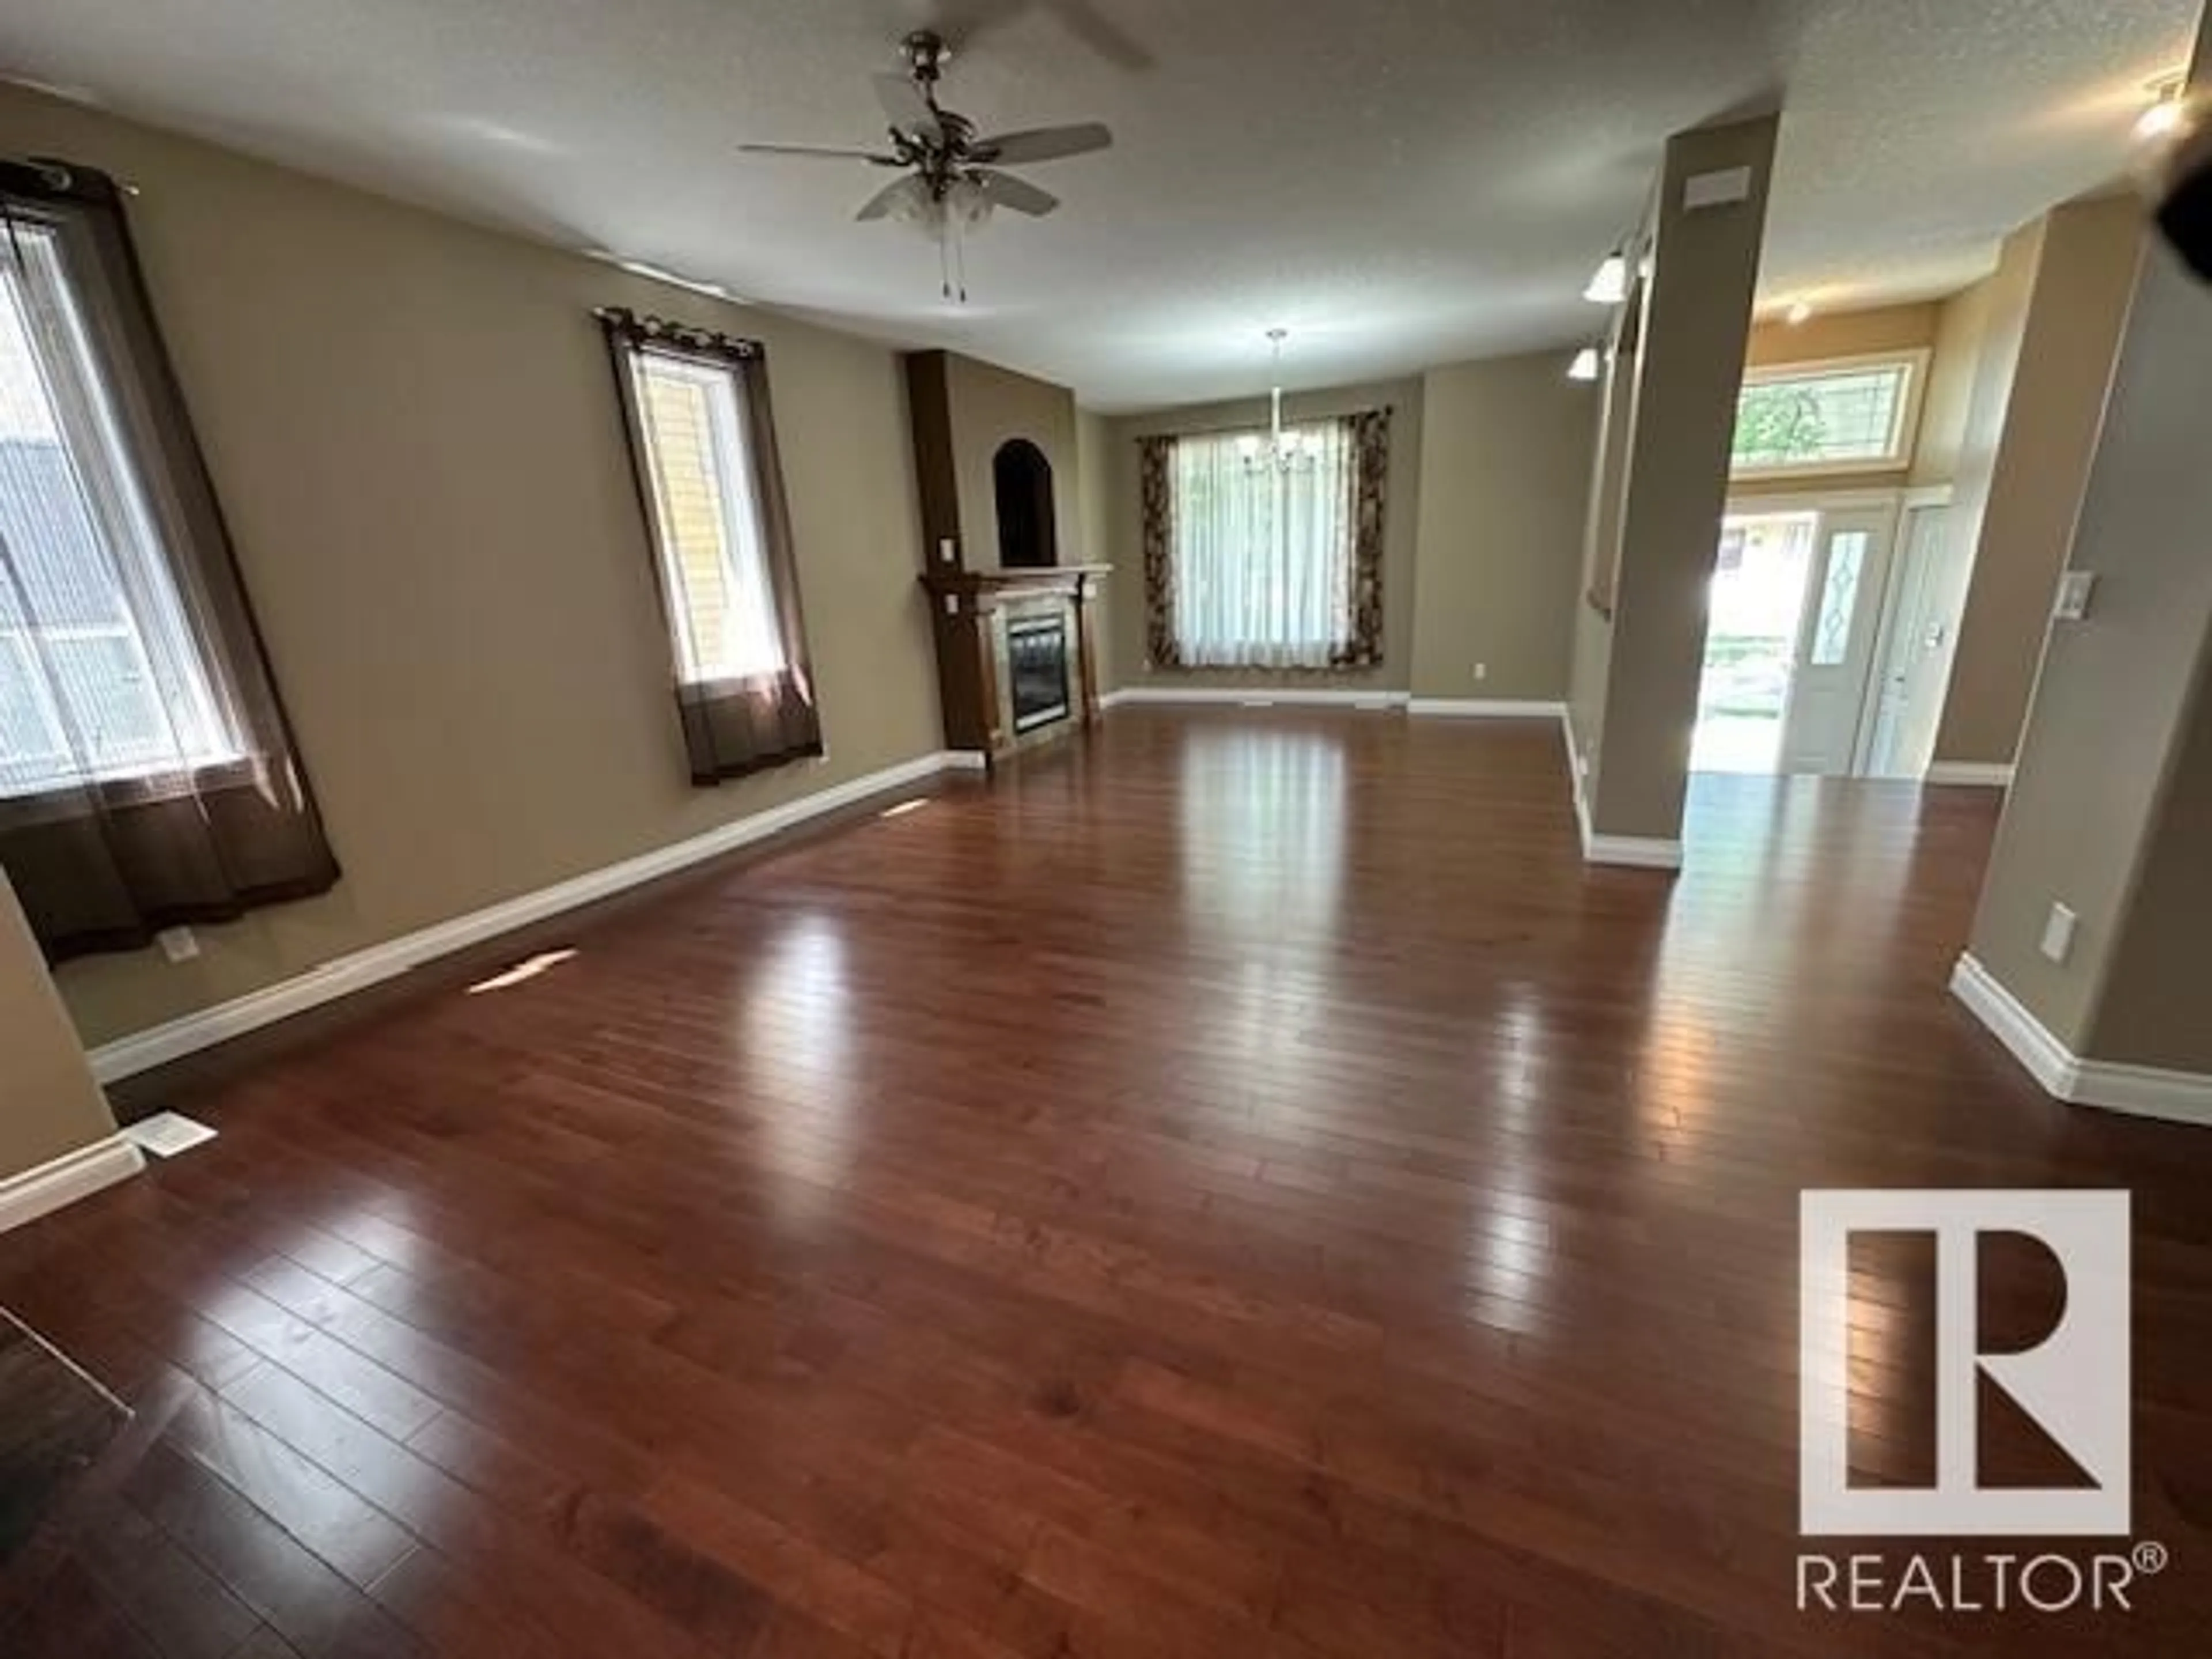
(953, 178)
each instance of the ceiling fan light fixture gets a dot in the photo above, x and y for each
(968, 203)
(1608, 283)
(1585, 364)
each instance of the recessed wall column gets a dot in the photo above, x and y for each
(2058, 300)
(2110, 813)
(1670, 413)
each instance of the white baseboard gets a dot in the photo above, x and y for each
(1488, 708)
(359, 970)
(1983, 775)
(1257, 697)
(2139, 1091)
(1635, 852)
(65, 1180)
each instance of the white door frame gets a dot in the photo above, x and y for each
(1909, 500)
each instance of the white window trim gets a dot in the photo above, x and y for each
(1904, 436)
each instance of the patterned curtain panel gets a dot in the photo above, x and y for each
(703, 447)
(1155, 470)
(1370, 434)
(1260, 561)
(147, 776)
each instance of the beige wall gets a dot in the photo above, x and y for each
(1842, 334)
(412, 428)
(989, 405)
(2110, 810)
(2054, 310)
(1402, 517)
(49, 1105)
(1695, 332)
(1961, 323)
(1505, 460)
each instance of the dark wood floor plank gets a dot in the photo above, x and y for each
(1241, 1187)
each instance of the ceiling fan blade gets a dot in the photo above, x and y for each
(892, 198)
(825, 152)
(1099, 32)
(1044, 144)
(909, 111)
(1017, 195)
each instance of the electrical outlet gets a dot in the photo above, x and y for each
(178, 944)
(1482, 671)
(2058, 933)
(947, 549)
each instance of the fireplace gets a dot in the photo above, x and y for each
(1037, 664)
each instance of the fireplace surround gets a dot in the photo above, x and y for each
(1017, 654)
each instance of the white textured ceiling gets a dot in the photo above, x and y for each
(1398, 182)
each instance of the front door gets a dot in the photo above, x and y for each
(1836, 635)
(1916, 666)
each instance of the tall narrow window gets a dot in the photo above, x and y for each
(147, 776)
(1267, 555)
(703, 446)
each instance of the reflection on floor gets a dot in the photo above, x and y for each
(1240, 1188)
(1736, 743)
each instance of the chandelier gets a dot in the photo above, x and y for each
(1280, 451)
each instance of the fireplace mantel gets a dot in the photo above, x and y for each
(982, 587)
(970, 611)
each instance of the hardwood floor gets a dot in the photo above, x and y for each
(1241, 1188)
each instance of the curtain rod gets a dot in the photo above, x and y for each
(62, 177)
(1245, 426)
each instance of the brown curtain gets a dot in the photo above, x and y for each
(733, 723)
(1371, 440)
(1156, 483)
(147, 776)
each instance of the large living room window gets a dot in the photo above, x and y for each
(1264, 554)
(100, 674)
(1848, 415)
(1263, 551)
(147, 772)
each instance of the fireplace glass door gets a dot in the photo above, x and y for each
(1036, 661)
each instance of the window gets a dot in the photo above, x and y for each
(1839, 598)
(703, 446)
(147, 776)
(101, 675)
(710, 528)
(1253, 564)
(1853, 415)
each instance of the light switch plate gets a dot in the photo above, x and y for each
(2075, 588)
(2058, 933)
